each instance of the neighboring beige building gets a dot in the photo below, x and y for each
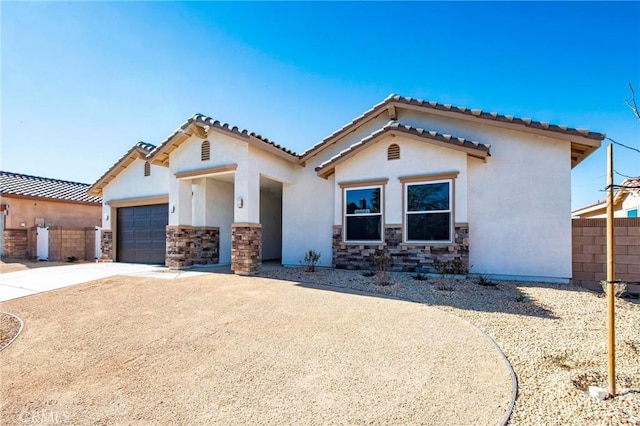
(626, 202)
(30, 201)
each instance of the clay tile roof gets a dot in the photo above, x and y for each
(471, 147)
(631, 184)
(206, 121)
(36, 186)
(561, 128)
(139, 150)
(397, 100)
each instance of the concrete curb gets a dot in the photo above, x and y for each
(17, 334)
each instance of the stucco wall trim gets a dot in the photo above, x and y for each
(192, 174)
(368, 182)
(138, 201)
(428, 177)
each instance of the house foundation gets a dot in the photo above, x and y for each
(246, 248)
(407, 257)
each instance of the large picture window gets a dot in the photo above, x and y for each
(363, 214)
(428, 211)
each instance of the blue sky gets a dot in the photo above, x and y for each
(83, 81)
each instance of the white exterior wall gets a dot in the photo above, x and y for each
(219, 213)
(307, 217)
(132, 183)
(225, 151)
(271, 221)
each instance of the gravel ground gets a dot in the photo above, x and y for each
(554, 336)
(9, 327)
(223, 349)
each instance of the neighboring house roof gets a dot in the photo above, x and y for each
(21, 185)
(626, 187)
(138, 151)
(201, 125)
(393, 101)
(475, 149)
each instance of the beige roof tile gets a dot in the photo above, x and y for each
(41, 187)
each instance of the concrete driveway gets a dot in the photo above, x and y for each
(25, 283)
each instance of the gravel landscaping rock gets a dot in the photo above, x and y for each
(9, 329)
(554, 336)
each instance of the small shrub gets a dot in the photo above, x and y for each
(486, 282)
(368, 273)
(72, 259)
(310, 259)
(619, 288)
(563, 359)
(522, 298)
(381, 260)
(420, 277)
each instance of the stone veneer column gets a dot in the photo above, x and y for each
(179, 244)
(246, 248)
(106, 245)
(192, 245)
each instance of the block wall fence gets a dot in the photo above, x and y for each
(589, 238)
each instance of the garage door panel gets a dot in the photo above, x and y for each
(142, 233)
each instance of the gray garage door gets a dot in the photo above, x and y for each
(142, 234)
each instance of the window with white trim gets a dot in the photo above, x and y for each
(429, 211)
(363, 214)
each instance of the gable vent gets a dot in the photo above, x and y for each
(205, 151)
(147, 168)
(393, 153)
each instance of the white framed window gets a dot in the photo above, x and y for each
(428, 215)
(363, 208)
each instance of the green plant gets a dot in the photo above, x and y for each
(311, 259)
(448, 271)
(72, 259)
(420, 277)
(381, 260)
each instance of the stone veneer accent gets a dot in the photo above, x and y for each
(246, 248)
(192, 245)
(406, 257)
(106, 245)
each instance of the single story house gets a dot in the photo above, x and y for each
(28, 202)
(425, 181)
(626, 202)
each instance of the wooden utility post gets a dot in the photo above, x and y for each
(611, 273)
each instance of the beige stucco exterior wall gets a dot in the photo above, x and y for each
(54, 213)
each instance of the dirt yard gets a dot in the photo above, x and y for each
(223, 349)
(14, 265)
